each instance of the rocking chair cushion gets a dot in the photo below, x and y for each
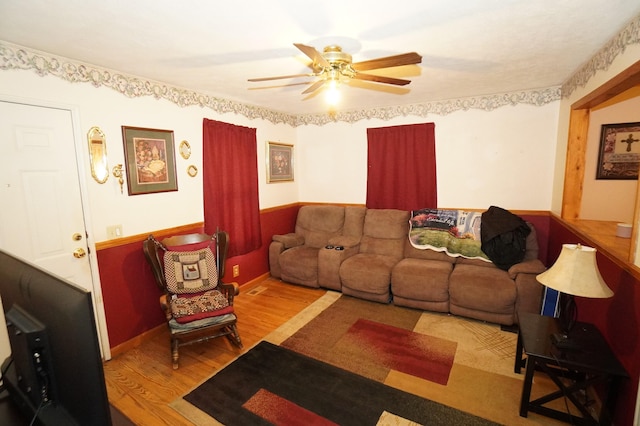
(187, 308)
(177, 327)
(190, 271)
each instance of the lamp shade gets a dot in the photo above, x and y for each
(576, 273)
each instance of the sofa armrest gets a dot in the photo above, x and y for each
(344, 241)
(275, 248)
(529, 294)
(534, 266)
(289, 240)
(329, 261)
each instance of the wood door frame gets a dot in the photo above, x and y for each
(577, 144)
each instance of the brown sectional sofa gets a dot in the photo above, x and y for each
(366, 253)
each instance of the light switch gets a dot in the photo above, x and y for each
(114, 231)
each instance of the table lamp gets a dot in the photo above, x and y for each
(575, 273)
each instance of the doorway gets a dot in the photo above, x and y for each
(43, 217)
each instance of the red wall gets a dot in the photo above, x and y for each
(129, 292)
(617, 318)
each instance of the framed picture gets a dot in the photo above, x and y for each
(619, 155)
(150, 160)
(279, 162)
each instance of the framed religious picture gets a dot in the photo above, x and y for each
(619, 155)
(150, 160)
(279, 162)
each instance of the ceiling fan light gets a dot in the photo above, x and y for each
(332, 95)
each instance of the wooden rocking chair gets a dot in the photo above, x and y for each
(197, 304)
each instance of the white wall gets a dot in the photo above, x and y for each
(504, 157)
(110, 110)
(612, 200)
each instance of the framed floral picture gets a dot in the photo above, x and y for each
(619, 155)
(150, 160)
(279, 162)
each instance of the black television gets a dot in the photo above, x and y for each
(54, 373)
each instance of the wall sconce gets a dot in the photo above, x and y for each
(118, 173)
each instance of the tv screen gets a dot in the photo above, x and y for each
(55, 369)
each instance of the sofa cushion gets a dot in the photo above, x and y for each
(370, 273)
(475, 262)
(419, 279)
(482, 289)
(385, 232)
(299, 265)
(354, 221)
(411, 252)
(186, 308)
(319, 223)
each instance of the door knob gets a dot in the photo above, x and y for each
(78, 253)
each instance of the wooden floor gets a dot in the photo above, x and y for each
(141, 382)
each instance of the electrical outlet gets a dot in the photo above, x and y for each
(114, 231)
(236, 270)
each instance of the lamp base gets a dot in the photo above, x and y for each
(564, 342)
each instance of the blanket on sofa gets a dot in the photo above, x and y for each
(455, 232)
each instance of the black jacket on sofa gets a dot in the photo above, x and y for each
(504, 237)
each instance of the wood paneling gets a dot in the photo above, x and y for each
(574, 172)
(576, 158)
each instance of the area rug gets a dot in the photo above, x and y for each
(372, 339)
(481, 379)
(273, 385)
(470, 363)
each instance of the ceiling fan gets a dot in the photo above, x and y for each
(333, 66)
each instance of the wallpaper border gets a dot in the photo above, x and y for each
(13, 57)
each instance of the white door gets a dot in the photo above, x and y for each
(41, 215)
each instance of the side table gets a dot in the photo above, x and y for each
(590, 362)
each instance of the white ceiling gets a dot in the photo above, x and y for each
(469, 47)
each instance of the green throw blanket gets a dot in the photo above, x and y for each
(455, 232)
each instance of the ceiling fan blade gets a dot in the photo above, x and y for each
(315, 86)
(280, 77)
(388, 62)
(381, 79)
(312, 53)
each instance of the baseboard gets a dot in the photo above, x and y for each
(251, 283)
(138, 340)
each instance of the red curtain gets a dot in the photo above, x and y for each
(230, 175)
(402, 167)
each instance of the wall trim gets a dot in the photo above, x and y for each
(131, 239)
(603, 59)
(14, 57)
